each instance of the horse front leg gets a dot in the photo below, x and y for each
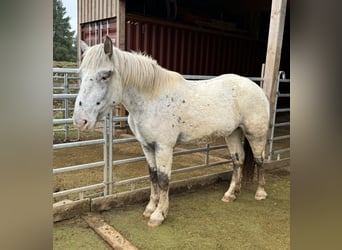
(164, 162)
(149, 152)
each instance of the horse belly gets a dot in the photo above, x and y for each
(208, 126)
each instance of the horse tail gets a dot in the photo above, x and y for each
(249, 162)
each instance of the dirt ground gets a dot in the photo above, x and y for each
(197, 219)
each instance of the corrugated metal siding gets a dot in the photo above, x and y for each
(193, 51)
(94, 10)
(183, 49)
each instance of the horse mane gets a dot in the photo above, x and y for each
(137, 70)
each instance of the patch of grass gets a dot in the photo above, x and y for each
(75, 234)
(197, 219)
(62, 64)
(200, 220)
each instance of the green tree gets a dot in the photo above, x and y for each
(64, 41)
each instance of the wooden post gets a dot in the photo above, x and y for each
(79, 33)
(121, 24)
(120, 40)
(275, 40)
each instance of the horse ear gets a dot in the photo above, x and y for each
(108, 46)
(83, 46)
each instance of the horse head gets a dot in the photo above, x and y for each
(100, 88)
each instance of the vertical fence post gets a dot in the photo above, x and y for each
(105, 156)
(110, 153)
(206, 160)
(66, 106)
(273, 117)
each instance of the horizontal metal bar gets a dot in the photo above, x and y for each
(78, 167)
(277, 138)
(64, 96)
(124, 140)
(256, 79)
(65, 70)
(62, 121)
(205, 77)
(78, 190)
(281, 151)
(129, 181)
(283, 110)
(120, 118)
(129, 160)
(212, 164)
(196, 150)
(177, 153)
(189, 77)
(282, 124)
(182, 170)
(197, 77)
(77, 144)
(284, 95)
(69, 120)
(63, 129)
(58, 109)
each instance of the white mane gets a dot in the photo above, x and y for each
(136, 70)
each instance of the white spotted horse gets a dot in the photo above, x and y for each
(165, 109)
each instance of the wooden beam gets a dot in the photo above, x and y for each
(275, 40)
(121, 24)
(108, 233)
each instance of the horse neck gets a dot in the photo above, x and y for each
(134, 71)
(144, 74)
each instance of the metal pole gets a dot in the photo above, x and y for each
(66, 107)
(110, 153)
(280, 74)
(105, 156)
(206, 160)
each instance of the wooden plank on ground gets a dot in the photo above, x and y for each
(68, 209)
(279, 164)
(108, 233)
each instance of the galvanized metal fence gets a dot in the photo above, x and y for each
(65, 88)
(282, 126)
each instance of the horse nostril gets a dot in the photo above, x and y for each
(85, 122)
(80, 103)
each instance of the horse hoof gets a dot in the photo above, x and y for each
(260, 196)
(147, 214)
(154, 223)
(229, 198)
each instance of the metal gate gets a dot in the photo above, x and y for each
(65, 88)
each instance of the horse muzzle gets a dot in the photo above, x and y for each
(84, 124)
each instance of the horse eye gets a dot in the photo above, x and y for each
(98, 103)
(104, 78)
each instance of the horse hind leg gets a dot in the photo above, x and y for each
(258, 146)
(234, 142)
